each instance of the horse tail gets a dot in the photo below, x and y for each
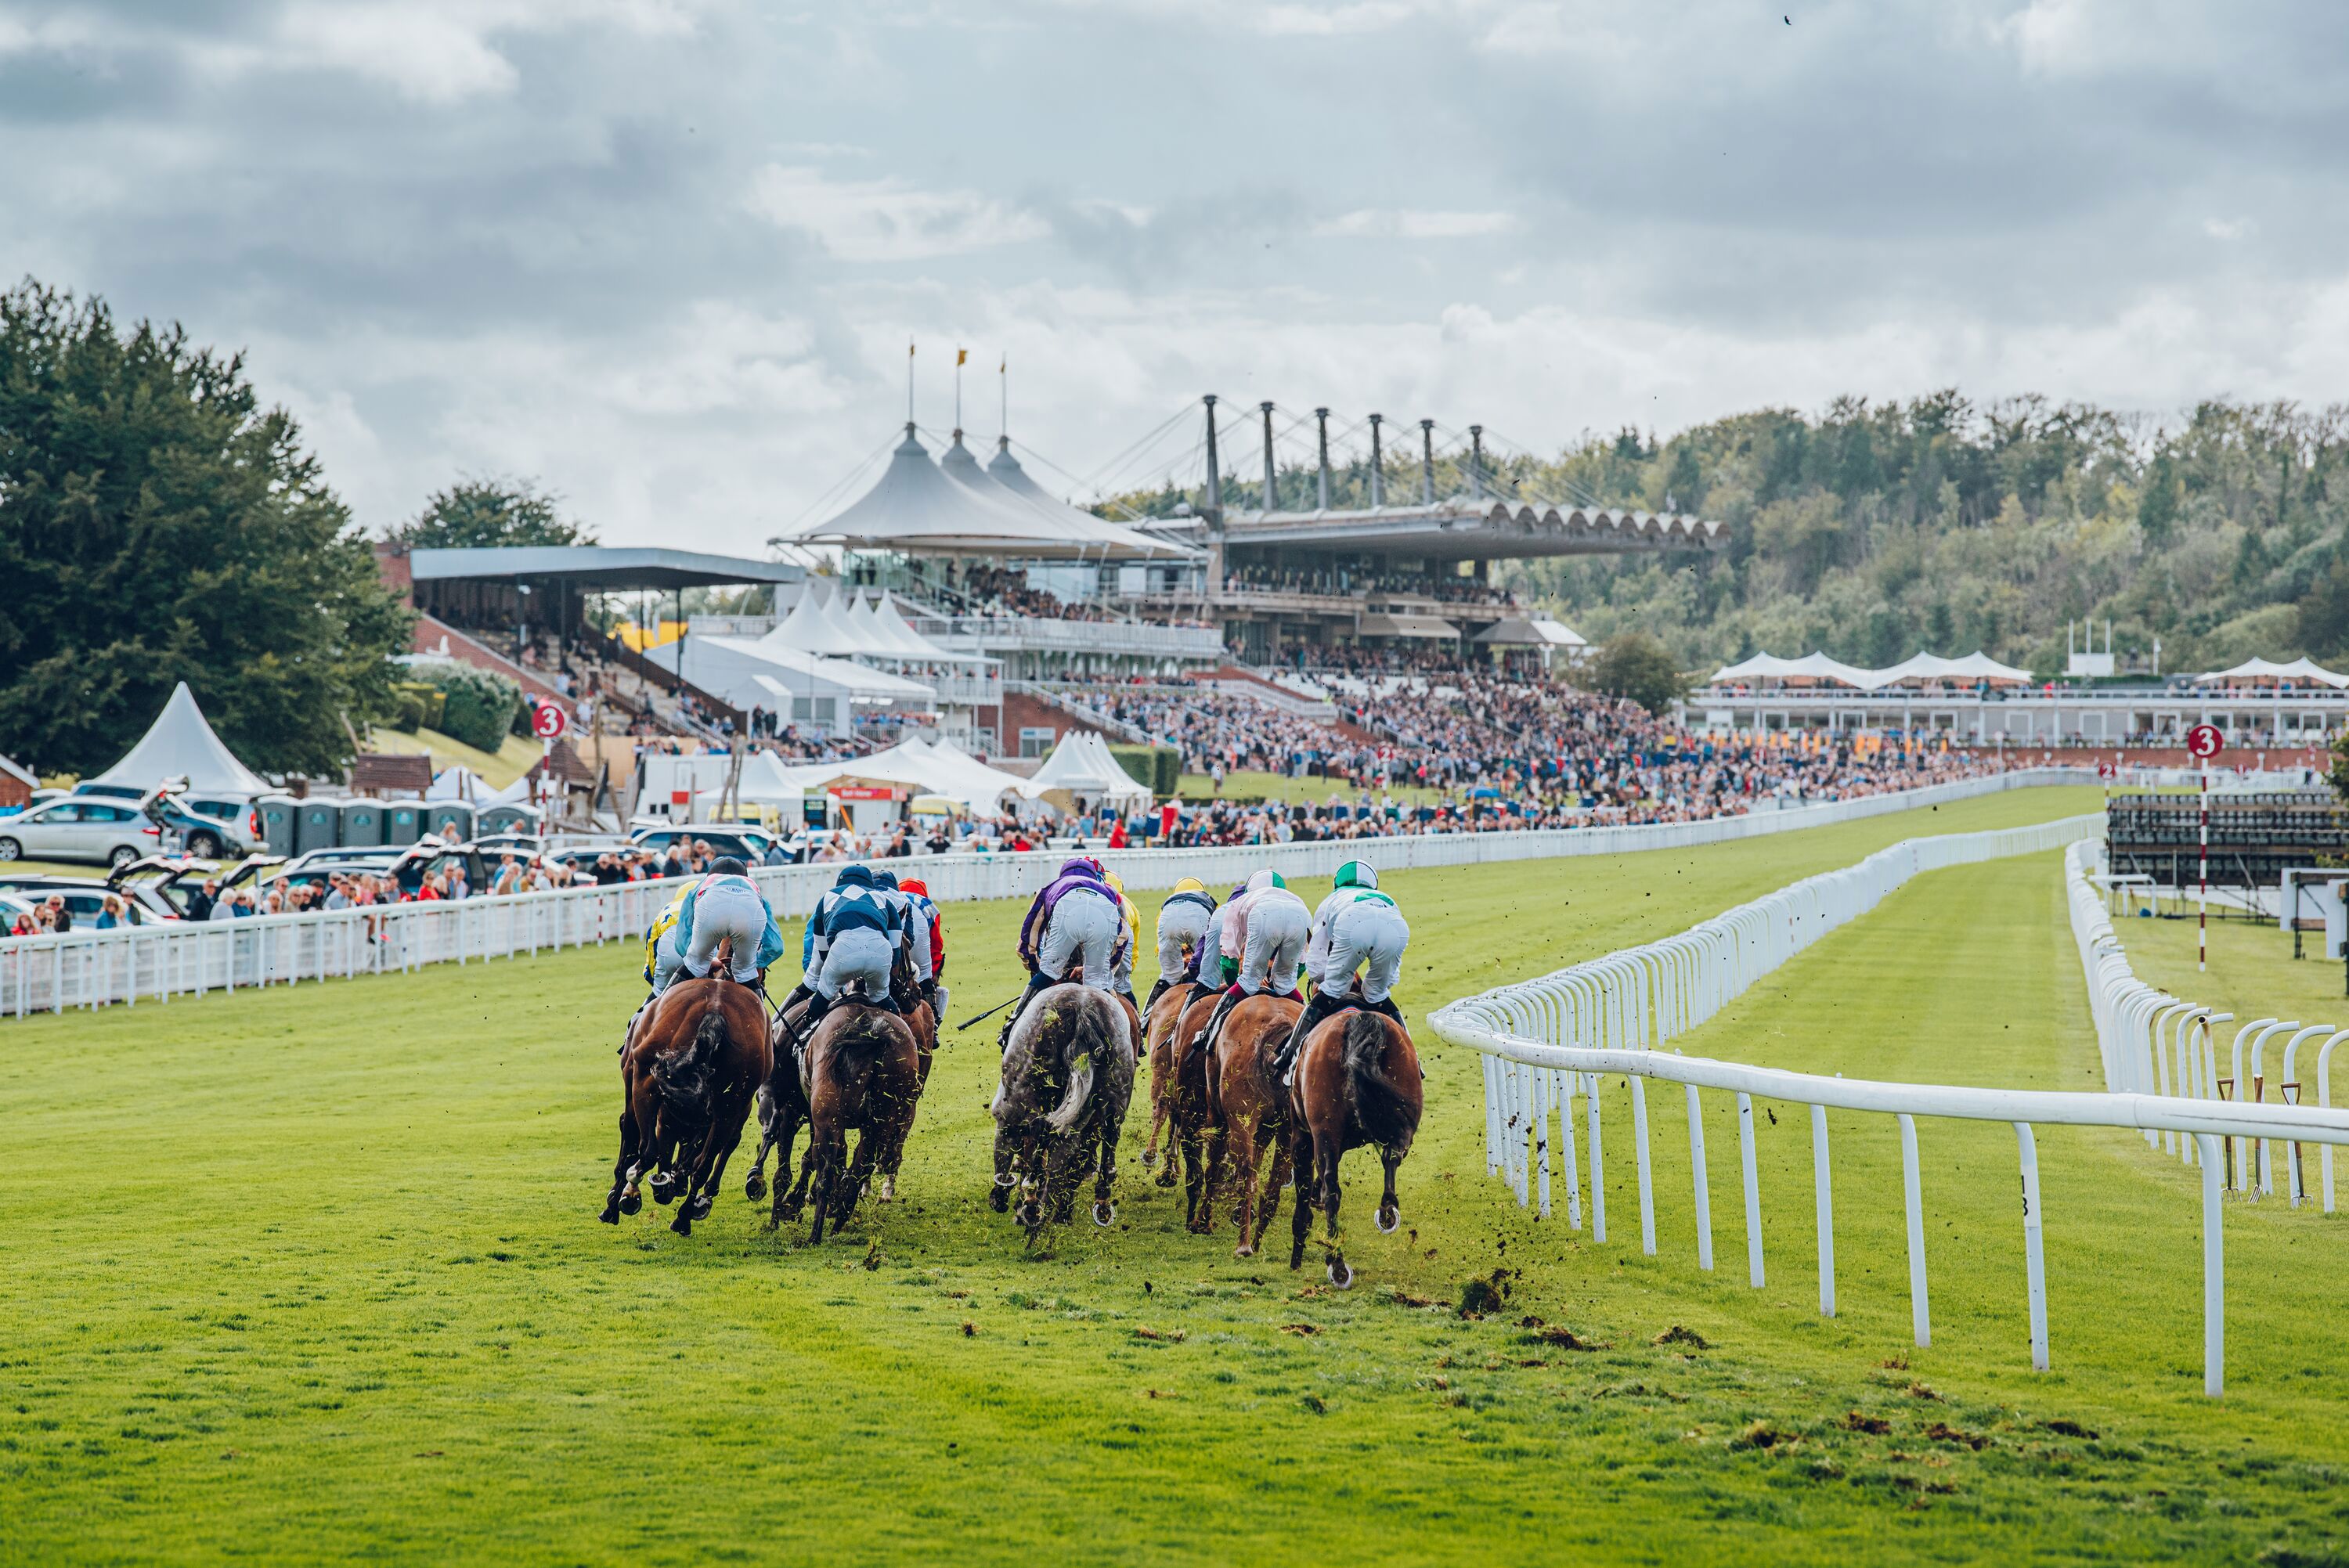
(1379, 1104)
(684, 1077)
(1092, 1045)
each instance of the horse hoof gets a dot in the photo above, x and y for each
(611, 1214)
(755, 1187)
(632, 1203)
(1104, 1215)
(888, 1193)
(664, 1190)
(999, 1199)
(1166, 1178)
(699, 1208)
(1389, 1221)
(1341, 1277)
(682, 1224)
(1149, 1158)
(1244, 1250)
(1031, 1215)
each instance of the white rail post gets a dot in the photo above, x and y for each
(1824, 1190)
(1647, 1185)
(1696, 1168)
(1597, 1161)
(2214, 1272)
(1753, 1190)
(2034, 1262)
(1920, 1316)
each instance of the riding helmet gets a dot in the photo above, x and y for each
(856, 874)
(883, 877)
(728, 866)
(1190, 884)
(914, 885)
(1357, 873)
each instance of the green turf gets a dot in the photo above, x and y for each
(315, 1275)
(1250, 785)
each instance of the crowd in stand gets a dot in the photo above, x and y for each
(1445, 589)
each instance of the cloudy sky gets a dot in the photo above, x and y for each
(666, 255)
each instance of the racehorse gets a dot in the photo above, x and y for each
(1189, 1114)
(1356, 1081)
(1068, 1077)
(1159, 1035)
(1249, 1112)
(783, 1099)
(690, 1068)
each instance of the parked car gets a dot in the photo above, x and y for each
(104, 830)
(110, 791)
(87, 895)
(173, 877)
(210, 826)
(749, 845)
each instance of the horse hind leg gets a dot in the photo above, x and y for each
(1326, 1153)
(622, 1173)
(1105, 1178)
(1276, 1182)
(1389, 1218)
(755, 1185)
(1301, 1221)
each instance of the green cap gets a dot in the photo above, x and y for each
(1355, 874)
(1280, 880)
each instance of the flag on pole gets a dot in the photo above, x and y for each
(960, 356)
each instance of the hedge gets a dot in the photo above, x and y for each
(477, 707)
(1159, 767)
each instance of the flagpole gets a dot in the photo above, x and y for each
(1003, 376)
(909, 381)
(959, 359)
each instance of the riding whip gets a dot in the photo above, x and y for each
(967, 1023)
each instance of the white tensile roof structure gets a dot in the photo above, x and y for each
(1081, 768)
(2251, 671)
(959, 508)
(1974, 666)
(1534, 631)
(179, 745)
(934, 769)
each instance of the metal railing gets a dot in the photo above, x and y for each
(1546, 1041)
(155, 963)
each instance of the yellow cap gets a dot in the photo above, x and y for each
(1190, 884)
(1111, 878)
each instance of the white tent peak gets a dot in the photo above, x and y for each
(1081, 768)
(181, 743)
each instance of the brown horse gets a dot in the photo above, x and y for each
(1190, 1115)
(1356, 1081)
(906, 992)
(1158, 1038)
(693, 1061)
(783, 1102)
(862, 1072)
(1248, 1113)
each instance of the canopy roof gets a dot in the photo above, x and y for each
(598, 568)
(182, 745)
(822, 623)
(1081, 768)
(921, 506)
(1405, 626)
(1819, 668)
(1536, 631)
(939, 768)
(2299, 669)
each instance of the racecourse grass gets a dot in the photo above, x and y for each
(315, 1275)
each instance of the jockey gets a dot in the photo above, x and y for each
(726, 903)
(1122, 964)
(929, 926)
(1356, 927)
(917, 930)
(661, 954)
(1181, 929)
(853, 933)
(1264, 945)
(1076, 916)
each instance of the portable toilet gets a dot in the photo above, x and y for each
(508, 819)
(362, 823)
(440, 814)
(317, 825)
(277, 822)
(403, 822)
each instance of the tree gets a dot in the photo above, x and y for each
(158, 524)
(478, 513)
(1637, 667)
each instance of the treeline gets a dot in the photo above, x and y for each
(1873, 531)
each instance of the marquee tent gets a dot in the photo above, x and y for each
(941, 768)
(1974, 666)
(1081, 769)
(2252, 671)
(182, 745)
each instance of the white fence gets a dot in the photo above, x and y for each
(154, 962)
(1546, 1041)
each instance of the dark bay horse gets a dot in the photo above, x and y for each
(692, 1063)
(784, 1104)
(1068, 1078)
(860, 1072)
(1249, 1113)
(1158, 1035)
(1356, 1082)
(1189, 1115)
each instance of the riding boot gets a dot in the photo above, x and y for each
(1205, 1039)
(1386, 1004)
(1322, 1007)
(1038, 984)
(817, 1006)
(1158, 989)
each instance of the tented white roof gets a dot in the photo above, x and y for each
(181, 743)
(1004, 470)
(2299, 669)
(1082, 766)
(1918, 666)
(823, 623)
(941, 769)
(458, 782)
(916, 505)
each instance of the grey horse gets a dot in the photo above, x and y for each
(1068, 1074)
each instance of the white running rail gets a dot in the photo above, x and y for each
(1546, 1041)
(95, 968)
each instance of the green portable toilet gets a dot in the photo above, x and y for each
(440, 814)
(277, 822)
(362, 826)
(509, 819)
(317, 825)
(403, 822)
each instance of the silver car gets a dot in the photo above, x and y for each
(79, 828)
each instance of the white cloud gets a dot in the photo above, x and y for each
(428, 56)
(1407, 223)
(2226, 228)
(887, 219)
(1327, 21)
